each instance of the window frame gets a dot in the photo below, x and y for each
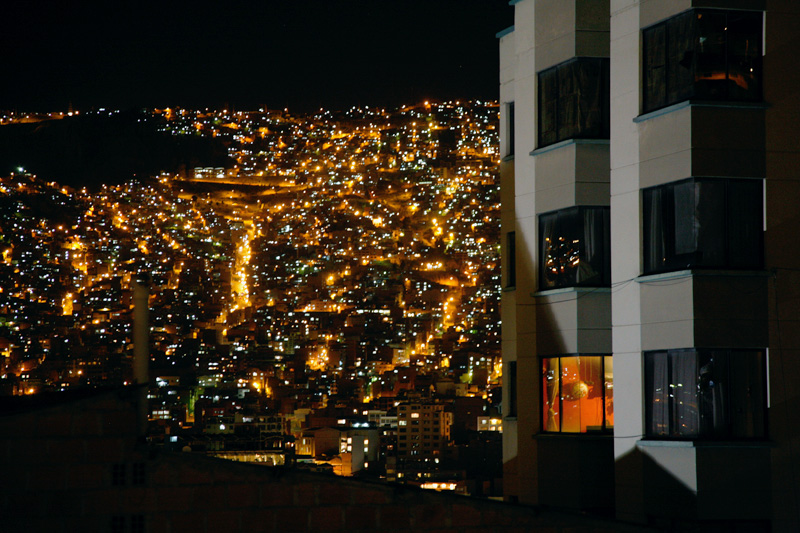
(727, 391)
(662, 239)
(579, 212)
(605, 401)
(661, 44)
(549, 88)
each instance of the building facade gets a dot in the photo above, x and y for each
(423, 430)
(651, 281)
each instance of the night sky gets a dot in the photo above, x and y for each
(300, 54)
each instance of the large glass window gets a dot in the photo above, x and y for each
(577, 393)
(574, 101)
(717, 394)
(704, 54)
(703, 223)
(574, 248)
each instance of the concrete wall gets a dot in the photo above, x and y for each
(546, 33)
(655, 480)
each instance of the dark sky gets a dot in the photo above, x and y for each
(300, 54)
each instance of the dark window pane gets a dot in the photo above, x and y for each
(681, 56)
(548, 103)
(574, 248)
(656, 223)
(745, 224)
(744, 56)
(748, 401)
(592, 269)
(574, 101)
(657, 406)
(710, 216)
(568, 100)
(683, 393)
(702, 223)
(511, 259)
(590, 104)
(704, 54)
(711, 71)
(655, 67)
(511, 382)
(714, 394)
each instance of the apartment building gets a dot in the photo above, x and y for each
(650, 311)
(423, 430)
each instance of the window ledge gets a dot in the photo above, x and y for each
(568, 142)
(569, 290)
(649, 278)
(507, 159)
(509, 289)
(704, 444)
(695, 103)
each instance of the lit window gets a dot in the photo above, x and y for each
(702, 54)
(577, 393)
(705, 393)
(414, 415)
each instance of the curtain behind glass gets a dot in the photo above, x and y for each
(595, 257)
(713, 392)
(608, 383)
(548, 107)
(681, 41)
(568, 96)
(655, 226)
(590, 96)
(657, 399)
(683, 385)
(655, 67)
(551, 401)
(548, 242)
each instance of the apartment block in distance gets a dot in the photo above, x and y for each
(650, 184)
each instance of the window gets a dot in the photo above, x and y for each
(574, 101)
(511, 381)
(715, 394)
(574, 248)
(577, 393)
(138, 477)
(511, 258)
(118, 474)
(703, 54)
(703, 223)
